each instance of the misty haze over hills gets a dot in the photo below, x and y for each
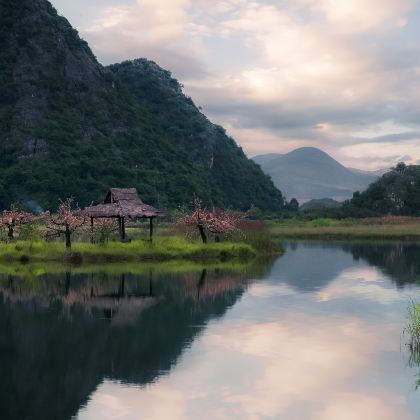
(309, 173)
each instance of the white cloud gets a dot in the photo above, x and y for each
(280, 70)
(362, 15)
(148, 20)
(155, 29)
(376, 154)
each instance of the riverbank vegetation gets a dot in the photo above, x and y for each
(392, 227)
(162, 249)
(412, 331)
(413, 328)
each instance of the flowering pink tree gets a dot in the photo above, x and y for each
(66, 221)
(10, 219)
(104, 228)
(216, 221)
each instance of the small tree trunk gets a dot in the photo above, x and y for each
(92, 231)
(202, 233)
(68, 237)
(151, 230)
(217, 238)
(10, 233)
(123, 229)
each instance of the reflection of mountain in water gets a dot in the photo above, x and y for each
(62, 336)
(312, 266)
(308, 267)
(399, 261)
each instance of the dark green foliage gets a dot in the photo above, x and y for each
(345, 212)
(71, 127)
(292, 205)
(395, 193)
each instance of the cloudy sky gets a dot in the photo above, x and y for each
(336, 74)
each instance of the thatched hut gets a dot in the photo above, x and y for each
(122, 204)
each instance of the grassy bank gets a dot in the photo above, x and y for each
(165, 249)
(37, 270)
(374, 228)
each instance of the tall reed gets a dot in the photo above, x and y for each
(412, 329)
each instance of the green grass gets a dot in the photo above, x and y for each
(35, 271)
(162, 249)
(378, 228)
(412, 330)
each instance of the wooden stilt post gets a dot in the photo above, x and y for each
(91, 231)
(202, 232)
(123, 228)
(120, 228)
(151, 229)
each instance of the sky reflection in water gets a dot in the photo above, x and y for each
(318, 338)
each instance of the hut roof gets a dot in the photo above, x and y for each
(122, 202)
(122, 194)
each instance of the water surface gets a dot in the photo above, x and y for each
(315, 334)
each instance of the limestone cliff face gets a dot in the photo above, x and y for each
(72, 127)
(40, 48)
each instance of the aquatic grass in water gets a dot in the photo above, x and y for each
(257, 235)
(412, 329)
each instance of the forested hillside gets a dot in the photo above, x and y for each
(396, 193)
(71, 127)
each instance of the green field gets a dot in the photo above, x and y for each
(401, 228)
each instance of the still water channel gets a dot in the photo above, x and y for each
(315, 334)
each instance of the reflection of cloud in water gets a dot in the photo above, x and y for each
(362, 273)
(363, 282)
(119, 401)
(264, 289)
(282, 370)
(318, 339)
(351, 406)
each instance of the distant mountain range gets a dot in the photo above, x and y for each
(320, 204)
(309, 173)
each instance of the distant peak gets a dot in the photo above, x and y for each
(309, 151)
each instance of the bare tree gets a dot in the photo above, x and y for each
(217, 222)
(10, 219)
(66, 221)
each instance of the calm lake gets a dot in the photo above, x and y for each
(314, 334)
